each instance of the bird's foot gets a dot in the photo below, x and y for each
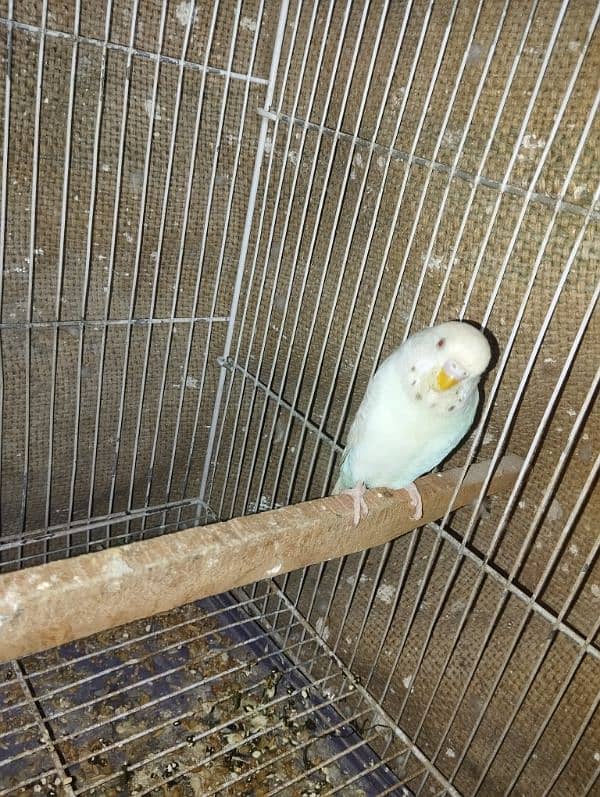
(416, 501)
(358, 501)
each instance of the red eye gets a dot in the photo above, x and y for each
(441, 343)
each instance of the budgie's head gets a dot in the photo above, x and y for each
(447, 362)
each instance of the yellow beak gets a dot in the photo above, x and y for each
(444, 380)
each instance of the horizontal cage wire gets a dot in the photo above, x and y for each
(216, 221)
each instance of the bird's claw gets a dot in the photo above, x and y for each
(359, 502)
(416, 501)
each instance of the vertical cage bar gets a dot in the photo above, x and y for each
(264, 130)
(254, 186)
(191, 11)
(88, 260)
(3, 210)
(136, 269)
(284, 80)
(61, 262)
(31, 261)
(239, 275)
(233, 182)
(184, 229)
(111, 262)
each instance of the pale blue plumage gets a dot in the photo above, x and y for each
(407, 423)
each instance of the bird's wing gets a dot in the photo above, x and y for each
(355, 434)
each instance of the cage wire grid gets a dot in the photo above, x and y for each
(215, 223)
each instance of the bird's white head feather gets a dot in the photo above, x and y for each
(443, 364)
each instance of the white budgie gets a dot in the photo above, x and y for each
(419, 405)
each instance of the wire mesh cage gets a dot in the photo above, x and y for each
(216, 219)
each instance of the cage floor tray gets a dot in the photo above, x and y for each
(198, 701)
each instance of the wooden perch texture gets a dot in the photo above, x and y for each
(65, 600)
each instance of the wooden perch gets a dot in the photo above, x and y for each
(65, 600)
